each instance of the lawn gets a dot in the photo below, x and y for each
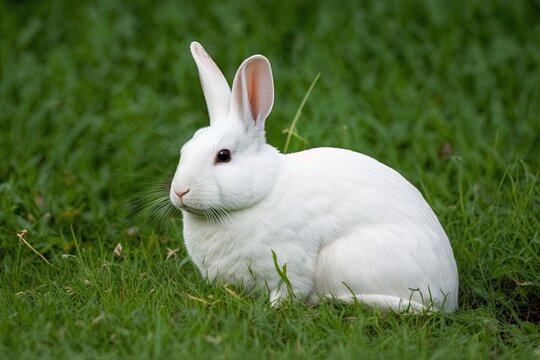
(96, 98)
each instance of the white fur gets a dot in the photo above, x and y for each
(346, 225)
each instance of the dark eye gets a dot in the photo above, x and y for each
(224, 155)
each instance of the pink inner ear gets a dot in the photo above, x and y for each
(259, 89)
(252, 95)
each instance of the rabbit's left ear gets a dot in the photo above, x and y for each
(253, 92)
(215, 87)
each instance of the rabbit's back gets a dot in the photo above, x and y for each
(355, 187)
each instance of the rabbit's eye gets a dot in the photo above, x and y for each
(224, 155)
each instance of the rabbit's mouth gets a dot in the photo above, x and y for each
(181, 205)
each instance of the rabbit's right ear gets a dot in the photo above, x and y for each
(215, 87)
(253, 93)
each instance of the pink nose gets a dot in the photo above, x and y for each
(180, 194)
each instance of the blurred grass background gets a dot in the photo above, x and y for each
(97, 96)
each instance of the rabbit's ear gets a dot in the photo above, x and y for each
(253, 92)
(216, 89)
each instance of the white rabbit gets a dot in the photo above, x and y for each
(346, 225)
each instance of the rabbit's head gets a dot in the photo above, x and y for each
(228, 165)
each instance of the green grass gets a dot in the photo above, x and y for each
(95, 98)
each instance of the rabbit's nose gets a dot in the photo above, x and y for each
(180, 194)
